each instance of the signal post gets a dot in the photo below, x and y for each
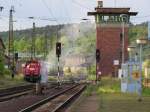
(97, 67)
(58, 54)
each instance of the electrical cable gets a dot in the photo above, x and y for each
(19, 3)
(6, 2)
(50, 11)
(141, 17)
(81, 5)
(45, 18)
(69, 19)
(66, 11)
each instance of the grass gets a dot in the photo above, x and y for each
(106, 85)
(91, 77)
(6, 81)
(112, 100)
(117, 102)
(109, 85)
(90, 89)
(146, 91)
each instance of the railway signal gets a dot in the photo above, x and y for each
(58, 53)
(58, 49)
(97, 55)
(97, 61)
(16, 56)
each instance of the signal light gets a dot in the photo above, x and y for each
(97, 55)
(121, 35)
(16, 56)
(58, 49)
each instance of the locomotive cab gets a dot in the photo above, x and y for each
(32, 71)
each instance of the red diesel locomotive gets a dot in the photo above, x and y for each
(32, 71)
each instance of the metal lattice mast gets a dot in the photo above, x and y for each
(33, 42)
(11, 39)
(45, 45)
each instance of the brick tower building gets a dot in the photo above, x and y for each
(112, 26)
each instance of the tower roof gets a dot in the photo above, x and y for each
(112, 11)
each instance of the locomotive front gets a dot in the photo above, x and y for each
(32, 71)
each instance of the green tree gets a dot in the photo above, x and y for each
(1, 64)
(146, 63)
(21, 46)
(39, 44)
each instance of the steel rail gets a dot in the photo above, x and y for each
(18, 93)
(38, 104)
(13, 90)
(71, 98)
(8, 97)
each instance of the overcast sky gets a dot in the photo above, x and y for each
(63, 11)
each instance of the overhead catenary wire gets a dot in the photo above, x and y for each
(6, 2)
(77, 3)
(51, 13)
(81, 5)
(20, 4)
(134, 18)
(49, 10)
(67, 12)
(141, 17)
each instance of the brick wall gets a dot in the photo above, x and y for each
(110, 45)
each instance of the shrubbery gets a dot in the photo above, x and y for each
(7, 71)
(1, 65)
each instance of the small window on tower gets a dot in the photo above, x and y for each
(121, 37)
(120, 55)
(106, 18)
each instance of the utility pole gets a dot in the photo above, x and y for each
(141, 42)
(123, 42)
(33, 42)
(11, 56)
(45, 44)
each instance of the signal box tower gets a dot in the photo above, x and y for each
(112, 26)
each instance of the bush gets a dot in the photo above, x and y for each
(92, 70)
(7, 72)
(109, 85)
(1, 65)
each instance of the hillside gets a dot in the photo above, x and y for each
(139, 31)
(76, 38)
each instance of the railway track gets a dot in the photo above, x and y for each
(24, 101)
(9, 93)
(14, 92)
(57, 101)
